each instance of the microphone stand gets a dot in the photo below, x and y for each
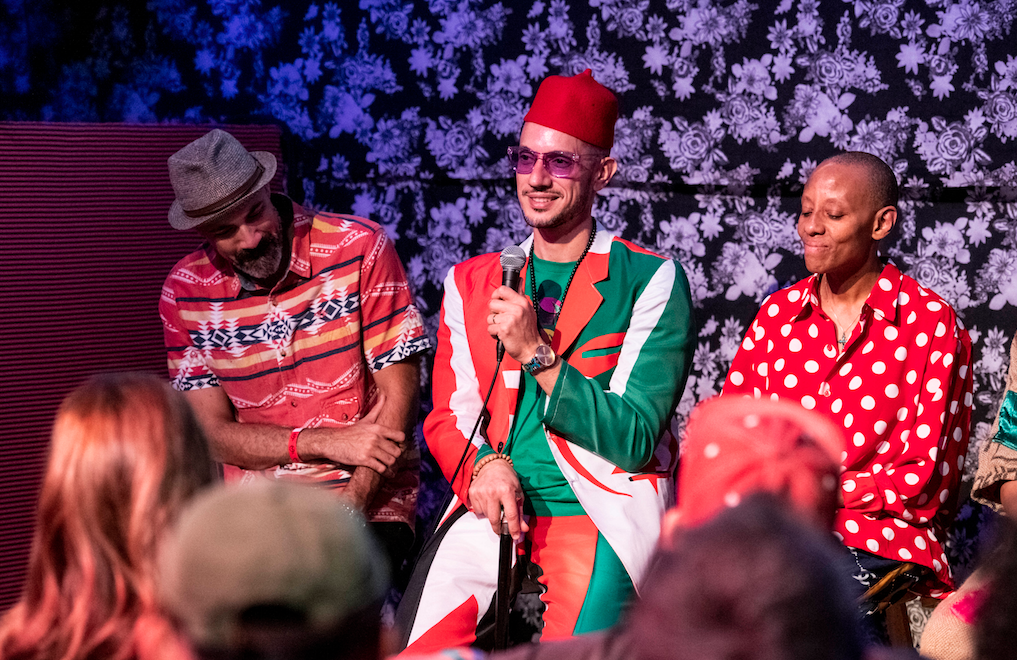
(501, 603)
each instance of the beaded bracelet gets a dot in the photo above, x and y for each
(487, 459)
(294, 458)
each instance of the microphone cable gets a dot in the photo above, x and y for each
(445, 498)
(426, 541)
(513, 260)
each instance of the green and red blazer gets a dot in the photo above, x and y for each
(626, 337)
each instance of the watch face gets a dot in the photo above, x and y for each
(542, 359)
(545, 356)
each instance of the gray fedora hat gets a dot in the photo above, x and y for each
(213, 174)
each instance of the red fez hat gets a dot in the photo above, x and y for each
(578, 106)
(735, 446)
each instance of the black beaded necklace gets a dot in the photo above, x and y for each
(533, 279)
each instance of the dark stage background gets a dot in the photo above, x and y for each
(401, 112)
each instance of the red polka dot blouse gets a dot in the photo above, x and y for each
(901, 388)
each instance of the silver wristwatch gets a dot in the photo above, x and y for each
(542, 359)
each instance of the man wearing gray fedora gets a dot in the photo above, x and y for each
(294, 336)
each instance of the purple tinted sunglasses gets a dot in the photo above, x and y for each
(559, 164)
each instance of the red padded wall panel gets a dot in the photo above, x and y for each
(84, 248)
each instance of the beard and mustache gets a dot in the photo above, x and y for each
(262, 261)
(563, 217)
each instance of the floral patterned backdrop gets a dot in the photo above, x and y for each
(400, 111)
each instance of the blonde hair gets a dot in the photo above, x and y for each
(126, 453)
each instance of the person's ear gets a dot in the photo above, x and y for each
(604, 172)
(884, 221)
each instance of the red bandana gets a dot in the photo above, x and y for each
(735, 446)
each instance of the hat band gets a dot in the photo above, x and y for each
(230, 199)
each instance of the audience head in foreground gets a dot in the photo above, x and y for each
(126, 453)
(275, 570)
(753, 582)
(734, 447)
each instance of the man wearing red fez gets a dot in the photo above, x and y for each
(574, 444)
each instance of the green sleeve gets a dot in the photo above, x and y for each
(483, 451)
(623, 424)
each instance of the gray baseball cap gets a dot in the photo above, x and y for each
(269, 543)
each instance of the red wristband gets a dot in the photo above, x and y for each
(293, 445)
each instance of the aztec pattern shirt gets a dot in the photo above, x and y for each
(901, 389)
(302, 354)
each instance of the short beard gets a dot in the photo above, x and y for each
(262, 261)
(560, 219)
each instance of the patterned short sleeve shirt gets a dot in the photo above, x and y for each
(301, 354)
(901, 389)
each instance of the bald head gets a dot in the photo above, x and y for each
(882, 182)
(848, 206)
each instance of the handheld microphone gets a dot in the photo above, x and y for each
(513, 258)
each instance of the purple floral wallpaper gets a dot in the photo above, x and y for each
(401, 111)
